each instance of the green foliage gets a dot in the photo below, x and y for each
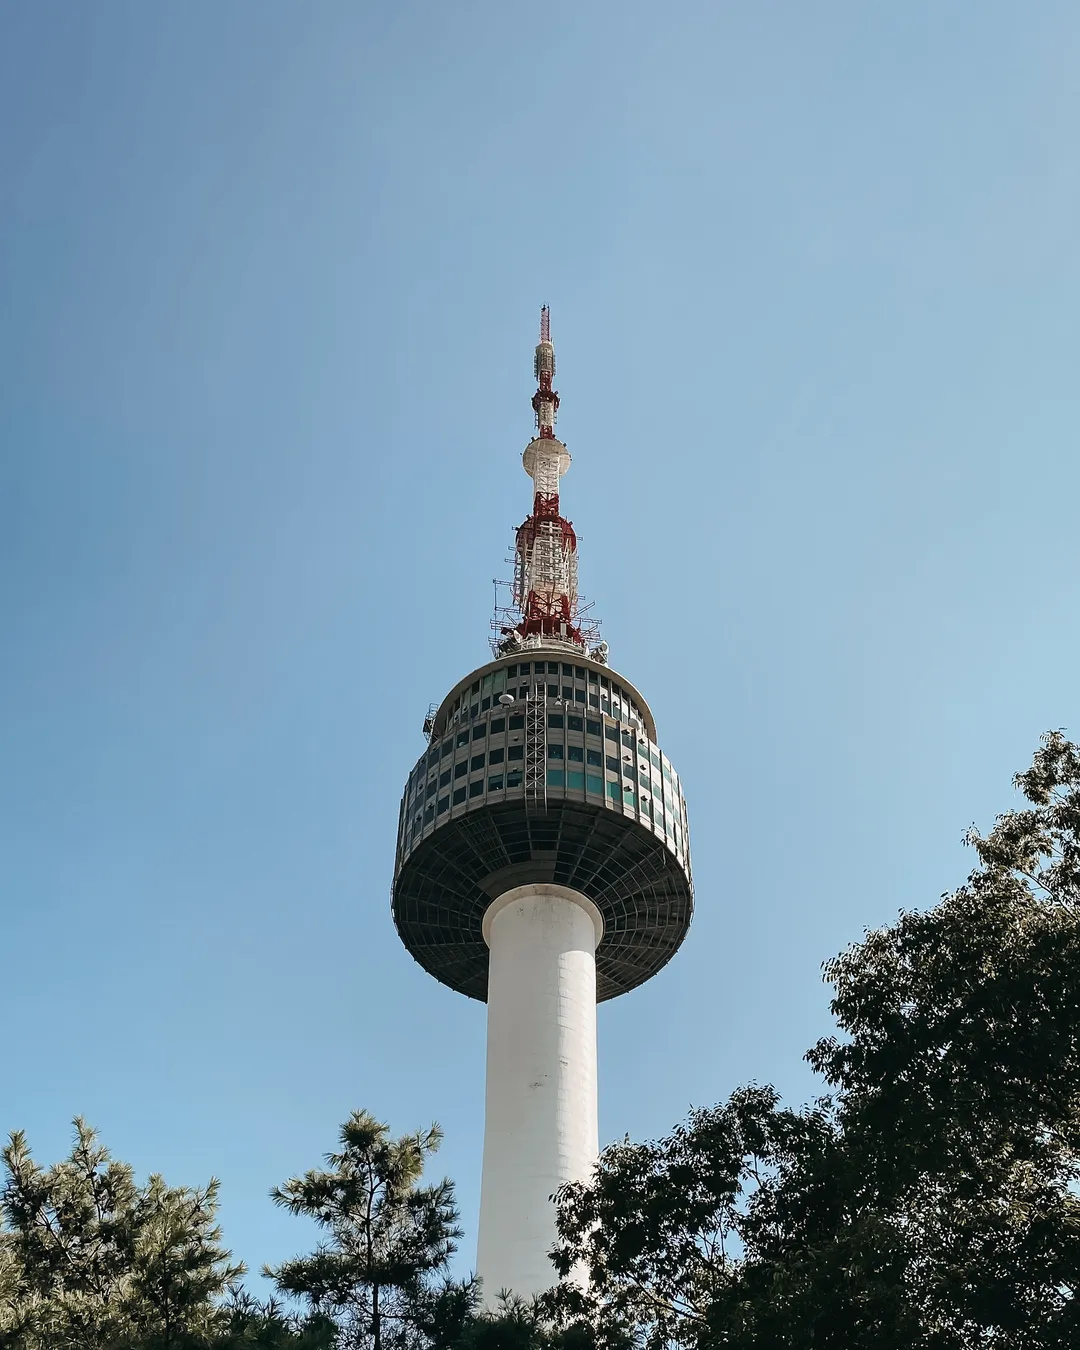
(931, 1203)
(89, 1259)
(251, 1325)
(388, 1238)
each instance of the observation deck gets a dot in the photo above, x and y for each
(543, 766)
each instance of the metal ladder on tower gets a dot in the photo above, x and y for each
(536, 748)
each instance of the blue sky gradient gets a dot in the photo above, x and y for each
(270, 277)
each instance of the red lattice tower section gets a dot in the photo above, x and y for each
(545, 549)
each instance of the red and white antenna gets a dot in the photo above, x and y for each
(545, 550)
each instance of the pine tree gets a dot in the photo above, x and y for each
(388, 1238)
(88, 1259)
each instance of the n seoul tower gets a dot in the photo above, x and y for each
(543, 864)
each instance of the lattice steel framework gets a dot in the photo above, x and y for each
(536, 748)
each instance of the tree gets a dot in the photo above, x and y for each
(89, 1259)
(931, 1201)
(251, 1325)
(389, 1239)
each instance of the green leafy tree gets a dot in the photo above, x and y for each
(931, 1203)
(254, 1325)
(380, 1273)
(89, 1259)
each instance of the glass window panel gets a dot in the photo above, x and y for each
(486, 684)
(460, 770)
(579, 672)
(594, 757)
(553, 667)
(478, 732)
(568, 693)
(579, 695)
(495, 782)
(476, 763)
(498, 724)
(447, 746)
(555, 752)
(517, 722)
(512, 670)
(443, 805)
(555, 720)
(429, 814)
(516, 752)
(513, 778)
(474, 709)
(612, 733)
(576, 753)
(614, 790)
(594, 701)
(476, 789)
(463, 738)
(553, 691)
(593, 783)
(575, 778)
(573, 723)
(485, 704)
(459, 796)
(556, 778)
(593, 728)
(495, 756)
(444, 778)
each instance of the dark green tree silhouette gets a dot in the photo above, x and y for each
(380, 1273)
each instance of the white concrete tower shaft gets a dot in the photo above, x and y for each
(540, 1126)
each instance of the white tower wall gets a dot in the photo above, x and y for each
(540, 1127)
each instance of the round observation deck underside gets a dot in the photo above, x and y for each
(636, 882)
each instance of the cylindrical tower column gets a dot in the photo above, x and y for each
(540, 1127)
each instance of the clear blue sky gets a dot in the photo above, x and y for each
(270, 275)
